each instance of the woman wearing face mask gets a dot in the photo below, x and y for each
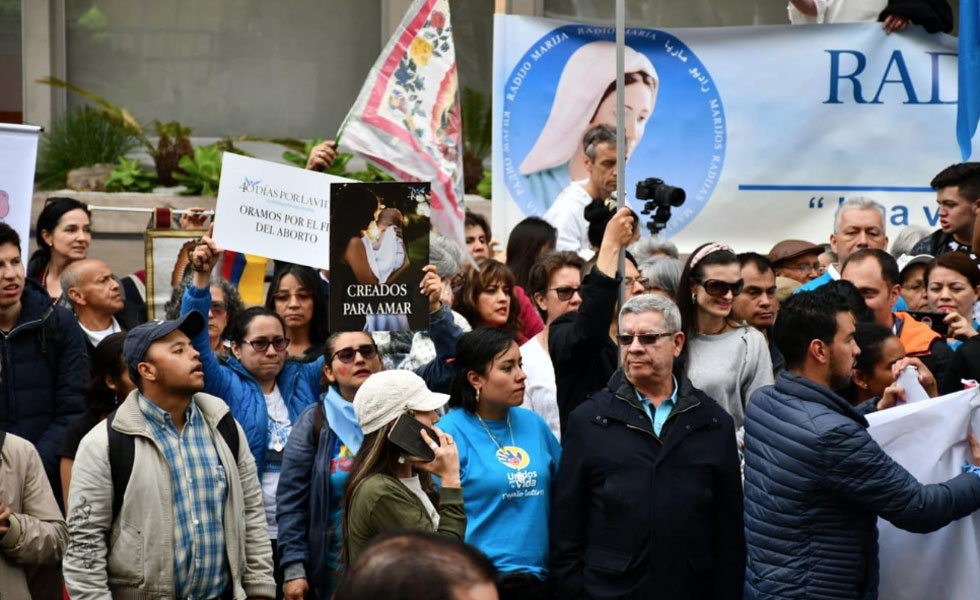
(489, 298)
(724, 359)
(507, 460)
(315, 466)
(953, 287)
(387, 488)
(109, 385)
(295, 294)
(265, 393)
(555, 282)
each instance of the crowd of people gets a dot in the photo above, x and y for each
(681, 427)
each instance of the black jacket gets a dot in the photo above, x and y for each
(581, 350)
(965, 364)
(937, 243)
(43, 372)
(634, 515)
(933, 15)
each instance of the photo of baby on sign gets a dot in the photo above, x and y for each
(379, 242)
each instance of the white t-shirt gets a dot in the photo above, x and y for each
(415, 485)
(97, 336)
(540, 387)
(279, 428)
(567, 215)
(839, 11)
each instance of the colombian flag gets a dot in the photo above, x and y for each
(247, 273)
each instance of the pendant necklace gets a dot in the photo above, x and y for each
(520, 473)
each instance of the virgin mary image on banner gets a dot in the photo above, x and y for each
(585, 97)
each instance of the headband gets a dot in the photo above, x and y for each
(709, 249)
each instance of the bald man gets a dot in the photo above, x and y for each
(96, 297)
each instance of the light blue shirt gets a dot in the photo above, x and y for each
(658, 414)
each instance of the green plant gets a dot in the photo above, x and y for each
(81, 138)
(174, 144)
(485, 187)
(129, 176)
(477, 134)
(371, 174)
(201, 172)
(299, 158)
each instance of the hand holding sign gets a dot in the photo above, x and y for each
(203, 259)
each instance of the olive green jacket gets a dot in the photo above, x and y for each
(382, 503)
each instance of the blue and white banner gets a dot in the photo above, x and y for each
(766, 128)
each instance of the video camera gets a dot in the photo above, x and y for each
(659, 198)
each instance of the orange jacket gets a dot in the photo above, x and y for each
(915, 336)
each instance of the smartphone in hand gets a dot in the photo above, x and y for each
(406, 435)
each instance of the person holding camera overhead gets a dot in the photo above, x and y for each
(390, 485)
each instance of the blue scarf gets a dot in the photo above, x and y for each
(341, 419)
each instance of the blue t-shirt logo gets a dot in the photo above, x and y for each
(513, 457)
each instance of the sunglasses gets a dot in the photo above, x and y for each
(646, 339)
(218, 308)
(347, 355)
(565, 293)
(261, 345)
(719, 288)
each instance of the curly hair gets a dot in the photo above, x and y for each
(233, 301)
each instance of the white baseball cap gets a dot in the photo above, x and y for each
(905, 261)
(386, 395)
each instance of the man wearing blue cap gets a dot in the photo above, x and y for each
(188, 520)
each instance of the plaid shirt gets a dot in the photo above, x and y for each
(200, 487)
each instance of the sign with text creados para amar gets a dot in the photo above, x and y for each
(765, 128)
(274, 210)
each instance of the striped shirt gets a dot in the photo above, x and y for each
(200, 487)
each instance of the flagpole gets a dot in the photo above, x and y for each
(621, 130)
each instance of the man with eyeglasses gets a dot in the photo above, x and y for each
(797, 260)
(648, 497)
(189, 521)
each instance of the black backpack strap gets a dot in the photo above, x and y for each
(122, 450)
(229, 431)
(319, 420)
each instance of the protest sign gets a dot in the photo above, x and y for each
(18, 154)
(274, 210)
(766, 128)
(379, 239)
(928, 438)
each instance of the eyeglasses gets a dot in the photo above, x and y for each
(347, 355)
(629, 281)
(646, 339)
(262, 344)
(805, 269)
(565, 292)
(719, 288)
(218, 308)
(302, 296)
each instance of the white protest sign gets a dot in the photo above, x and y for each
(274, 210)
(18, 154)
(928, 438)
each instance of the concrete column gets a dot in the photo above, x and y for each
(38, 61)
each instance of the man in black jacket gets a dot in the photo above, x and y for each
(43, 366)
(957, 192)
(580, 342)
(648, 498)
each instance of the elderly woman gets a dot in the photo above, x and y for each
(662, 275)
(225, 305)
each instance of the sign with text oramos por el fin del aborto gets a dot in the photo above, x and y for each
(274, 210)
(379, 243)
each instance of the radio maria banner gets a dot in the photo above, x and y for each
(767, 129)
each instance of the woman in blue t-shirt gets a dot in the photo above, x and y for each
(507, 460)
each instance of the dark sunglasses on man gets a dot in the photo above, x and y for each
(347, 355)
(719, 288)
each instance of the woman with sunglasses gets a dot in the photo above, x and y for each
(555, 282)
(296, 295)
(725, 359)
(315, 466)
(265, 392)
(225, 304)
(507, 462)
